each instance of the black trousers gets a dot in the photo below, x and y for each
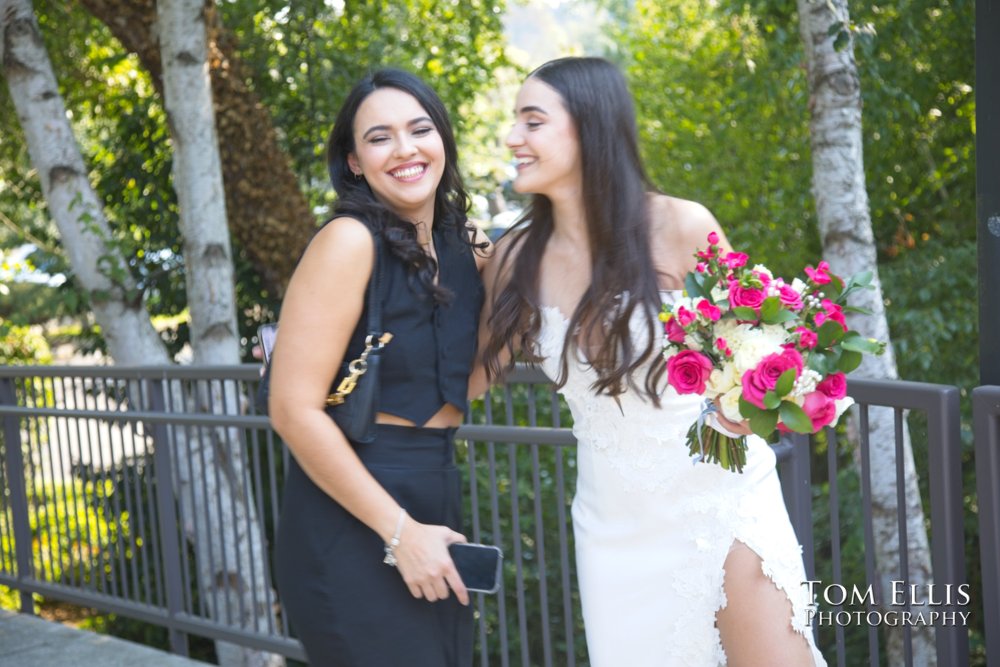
(344, 604)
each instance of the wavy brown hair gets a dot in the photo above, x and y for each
(356, 199)
(615, 188)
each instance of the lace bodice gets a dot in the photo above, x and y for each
(643, 443)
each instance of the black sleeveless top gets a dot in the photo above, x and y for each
(428, 361)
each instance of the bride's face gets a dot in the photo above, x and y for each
(544, 141)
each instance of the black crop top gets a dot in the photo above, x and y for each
(428, 361)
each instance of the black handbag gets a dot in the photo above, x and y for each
(354, 402)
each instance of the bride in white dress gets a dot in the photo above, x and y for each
(679, 563)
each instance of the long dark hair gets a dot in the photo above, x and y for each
(356, 199)
(623, 277)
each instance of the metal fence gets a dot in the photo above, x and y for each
(986, 429)
(108, 471)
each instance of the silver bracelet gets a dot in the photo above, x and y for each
(390, 546)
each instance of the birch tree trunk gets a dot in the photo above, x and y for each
(849, 246)
(237, 591)
(270, 218)
(227, 525)
(73, 204)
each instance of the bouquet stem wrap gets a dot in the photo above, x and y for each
(709, 445)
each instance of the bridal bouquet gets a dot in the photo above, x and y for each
(761, 349)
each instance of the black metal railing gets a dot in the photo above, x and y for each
(986, 429)
(97, 462)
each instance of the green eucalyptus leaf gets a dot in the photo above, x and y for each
(771, 400)
(764, 422)
(849, 360)
(795, 417)
(785, 383)
(830, 333)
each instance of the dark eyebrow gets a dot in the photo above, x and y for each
(530, 109)
(383, 128)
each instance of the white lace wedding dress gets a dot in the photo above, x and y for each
(653, 529)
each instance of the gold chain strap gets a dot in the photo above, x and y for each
(357, 368)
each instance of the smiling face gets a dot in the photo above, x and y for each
(545, 143)
(399, 151)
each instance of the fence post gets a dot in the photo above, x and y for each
(944, 460)
(14, 460)
(167, 509)
(986, 432)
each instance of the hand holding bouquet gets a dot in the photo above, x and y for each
(761, 349)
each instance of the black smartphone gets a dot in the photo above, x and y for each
(478, 565)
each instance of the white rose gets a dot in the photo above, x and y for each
(730, 404)
(721, 380)
(756, 345)
(841, 404)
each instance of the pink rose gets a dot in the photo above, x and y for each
(713, 238)
(807, 338)
(735, 260)
(687, 372)
(753, 389)
(701, 267)
(833, 386)
(820, 409)
(708, 311)
(831, 311)
(722, 346)
(675, 332)
(745, 296)
(764, 279)
(789, 297)
(820, 275)
(685, 316)
(763, 378)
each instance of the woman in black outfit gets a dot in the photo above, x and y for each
(392, 160)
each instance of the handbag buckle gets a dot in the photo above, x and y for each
(357, 368)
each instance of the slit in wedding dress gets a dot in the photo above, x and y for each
(755, 622)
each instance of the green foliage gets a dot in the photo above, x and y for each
(69, 539)
(716, 90)
(306, 55)
(22, 345)
(917, 73)
(933, 315)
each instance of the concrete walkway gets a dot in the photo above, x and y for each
(29, 641)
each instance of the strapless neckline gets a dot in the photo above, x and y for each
(673, 293)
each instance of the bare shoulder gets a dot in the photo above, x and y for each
(681, 222)
(343, 250)
(344, 235)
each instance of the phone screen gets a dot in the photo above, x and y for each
(478, 565)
